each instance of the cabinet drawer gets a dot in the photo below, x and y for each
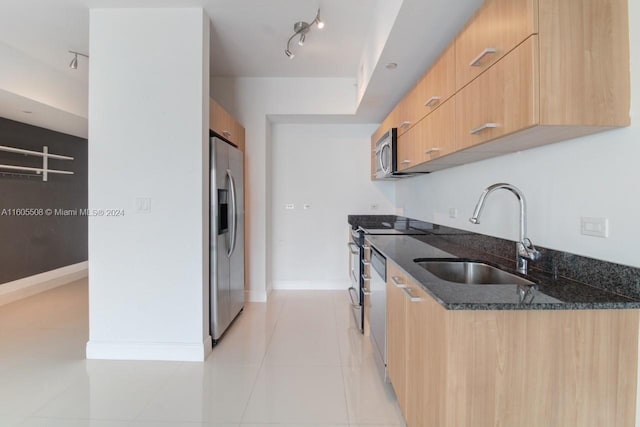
(496, 28)
(501, 101)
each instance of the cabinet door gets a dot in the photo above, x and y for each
(438, 85)
(396, 330)
(496, 28)
(501, 101)
(437, 134)
(409, 147)
(223, 123)
(425, 360)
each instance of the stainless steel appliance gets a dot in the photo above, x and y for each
(378, 304)
(226, 241)
(358, 264)
(387, 157)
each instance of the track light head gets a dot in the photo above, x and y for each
(319, 22)
(74, 62)
(300, 29)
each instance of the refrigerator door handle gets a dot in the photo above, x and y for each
(234, 214)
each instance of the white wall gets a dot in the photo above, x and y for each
(251, 101)
(148, 138)
(594, 176)
(319, 165)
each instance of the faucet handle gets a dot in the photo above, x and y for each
(528, 250)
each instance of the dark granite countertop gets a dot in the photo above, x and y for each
(553, 293)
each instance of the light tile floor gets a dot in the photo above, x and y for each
(295, 361)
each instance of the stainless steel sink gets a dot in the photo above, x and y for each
(470, 272)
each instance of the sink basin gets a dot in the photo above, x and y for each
(470, 272)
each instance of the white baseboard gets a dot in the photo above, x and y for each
(255, 295)
(312, 285)
(177, 352)
(28, 286)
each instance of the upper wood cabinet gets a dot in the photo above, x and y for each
(225, 125)
(431, 91)
(502, 100)
(432, 138)
(528, 73)
(496, 28)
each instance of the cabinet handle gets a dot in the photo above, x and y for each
(398, 282)
(366, 278)
(483, 127)
(226, 133)
(404, 124)
(432, 150)
(432, 101)
(411, 296)
(487, 51)
(406, 162)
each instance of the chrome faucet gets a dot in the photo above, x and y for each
(525, 251)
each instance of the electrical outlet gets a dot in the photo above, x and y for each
(289, 206)
(374, 206)
(596, 227)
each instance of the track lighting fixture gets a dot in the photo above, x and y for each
(300, 29)
(74, 62)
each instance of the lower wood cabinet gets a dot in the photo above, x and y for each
(396, 334)
(509, 367)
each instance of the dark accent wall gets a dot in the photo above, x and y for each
(34, 244)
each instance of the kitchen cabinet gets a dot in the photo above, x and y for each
(225, 125)
(510, 367)
(430, 139)
(396, 336)
(496, 28)
(501, 101)
(527, 73)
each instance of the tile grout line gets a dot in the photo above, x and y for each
(340, 355)
(266, 350)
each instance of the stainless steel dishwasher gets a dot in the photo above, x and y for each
(378, 301)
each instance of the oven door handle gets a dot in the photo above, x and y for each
(353, 291)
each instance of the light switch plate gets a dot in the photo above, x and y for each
(143, 204)
(596, 227)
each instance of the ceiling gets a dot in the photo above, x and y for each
(248, 38)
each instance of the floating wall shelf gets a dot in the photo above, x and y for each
(44, 170)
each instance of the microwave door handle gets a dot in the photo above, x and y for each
(234, 214)
(385, 170)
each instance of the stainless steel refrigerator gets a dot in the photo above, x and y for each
(226, 241)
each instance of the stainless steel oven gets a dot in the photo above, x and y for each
(356, 272)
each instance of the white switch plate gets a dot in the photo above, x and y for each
(289, 206)
(596, 227)
(453, 213)
(143, 204)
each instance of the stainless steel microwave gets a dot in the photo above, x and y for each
(387, 157)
